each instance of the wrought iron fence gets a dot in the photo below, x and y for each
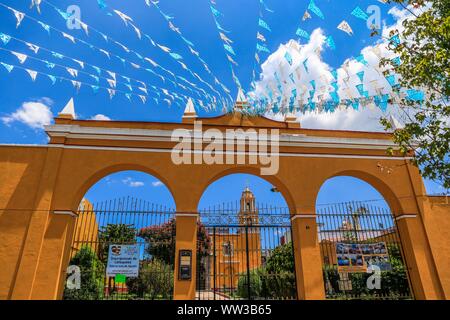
(104, 228)
(361, 252)
(248, 254)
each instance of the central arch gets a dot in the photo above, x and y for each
(254, 171)
(247, 240)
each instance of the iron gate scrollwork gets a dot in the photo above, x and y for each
(250, 253)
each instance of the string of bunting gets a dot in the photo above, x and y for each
(299, 90)
(129, 21)
(113, 82)
(77, 84)
(188, 43)
(226, 41)
(261, 39)
(74, 39)
(99, 70)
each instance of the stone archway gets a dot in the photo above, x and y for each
(42, 186)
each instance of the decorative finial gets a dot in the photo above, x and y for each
(189, 112)
(68, 112)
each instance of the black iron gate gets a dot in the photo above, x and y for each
(245, 253)
(143, 230)
(361, 252)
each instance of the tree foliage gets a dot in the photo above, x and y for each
(276, 279)
(115, 234)
(92, 276)
(423, 45)
(155, 281)
(161, 241)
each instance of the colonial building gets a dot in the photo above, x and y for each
(237, 248)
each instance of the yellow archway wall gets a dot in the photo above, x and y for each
(42, 186)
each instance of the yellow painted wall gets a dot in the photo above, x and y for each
(41, 187)
(437, 224)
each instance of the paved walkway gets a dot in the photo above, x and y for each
(209, 295)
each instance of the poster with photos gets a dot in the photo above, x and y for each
(358, 257)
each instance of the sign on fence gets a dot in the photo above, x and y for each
(123, 260)
(357, 257)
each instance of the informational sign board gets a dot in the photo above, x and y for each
(358, 257)
(123, 260)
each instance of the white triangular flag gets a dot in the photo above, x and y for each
(106, 53)
(22, 57)
(32, 47)
(194, 52)
(143, 89)
(32, 73)
(72, 72)
(136, 29)
(111, 93)
(112, 74)
(19, 16)
(81, 63)
(76, 84)
(134, 65)
(344, 26)
(37, 3)
(84, 26)
(306, 16)
(163, 48)
(183, 65)
(122, 46)
(143, 98)
(151, 61)
(68, 36)
(112, 83)
(225, 38)
(123, 16)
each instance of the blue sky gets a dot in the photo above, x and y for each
(196, 23)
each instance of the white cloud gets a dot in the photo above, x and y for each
(320, 74)
(130, 182)
(34, 114)
(101, 117)
(157, 184)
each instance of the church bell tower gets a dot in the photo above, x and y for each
(248, 213)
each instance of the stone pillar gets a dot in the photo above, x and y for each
(308, 262)
(422, 271)
(186, 239)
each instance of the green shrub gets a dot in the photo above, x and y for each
(92, 276)
(155, 281)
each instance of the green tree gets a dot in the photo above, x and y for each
(279, 276)
(423, 45)
(155, 281)
(256, 284)
(92, 276)
(161, 241)
(115, 234)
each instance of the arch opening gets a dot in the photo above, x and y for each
(359, 242)
(249, 251)
(124, 240)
